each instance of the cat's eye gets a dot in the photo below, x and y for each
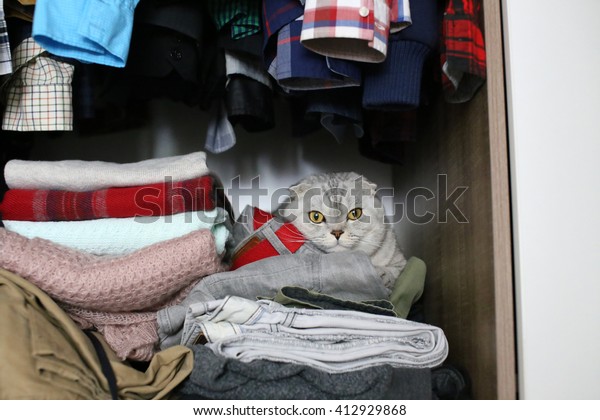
(354, 213)
(316, 216)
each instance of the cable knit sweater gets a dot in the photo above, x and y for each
(107, 292)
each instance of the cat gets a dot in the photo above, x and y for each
(341, 212)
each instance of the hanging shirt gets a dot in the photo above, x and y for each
(39, 94)
(353, 29)
(243, 16)
(297, 68)
(5, 61)
(463, 50)
(93, 31)
(173, 54)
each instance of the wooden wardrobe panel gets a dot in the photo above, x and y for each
(469, 290)
(501, 207)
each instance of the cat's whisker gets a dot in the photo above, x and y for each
(366, 241)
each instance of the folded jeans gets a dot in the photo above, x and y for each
(330, 340)
(344, 275)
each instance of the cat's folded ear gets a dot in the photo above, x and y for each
(366, 184)
(299, 189)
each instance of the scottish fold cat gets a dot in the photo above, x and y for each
(340, 212)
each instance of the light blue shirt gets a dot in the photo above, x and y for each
(91, 31)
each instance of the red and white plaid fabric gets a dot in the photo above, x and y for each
(400, 15)
(463, 54)
(349, 29)
(157, 199)
(39, 97)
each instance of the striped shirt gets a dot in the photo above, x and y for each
(242, 15)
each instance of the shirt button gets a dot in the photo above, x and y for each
(363, 11)
(176, 54)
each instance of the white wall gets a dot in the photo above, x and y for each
(553, 63)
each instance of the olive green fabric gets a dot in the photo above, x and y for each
(45, 355)
(299, 297)
(409, 286)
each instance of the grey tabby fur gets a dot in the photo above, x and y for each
(335, 195)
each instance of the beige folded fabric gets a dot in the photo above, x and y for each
(44, 355)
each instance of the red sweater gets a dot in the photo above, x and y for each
(146, 200)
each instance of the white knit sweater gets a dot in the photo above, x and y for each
(79, 175)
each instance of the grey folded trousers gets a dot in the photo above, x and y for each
(332, 340)
(344, 275)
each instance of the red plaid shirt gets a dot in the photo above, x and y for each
(352, 29)
(463, 50)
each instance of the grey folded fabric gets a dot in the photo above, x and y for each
(335, 341)
(344, 275)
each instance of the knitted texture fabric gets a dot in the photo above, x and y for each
(78, 175)
(121, 236)
(131, 335)
(137, 281)
(117, 296)
(146, 200)
(396, 83)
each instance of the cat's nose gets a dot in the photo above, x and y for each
(337, 233)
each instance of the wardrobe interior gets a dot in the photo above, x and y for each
(468, 291)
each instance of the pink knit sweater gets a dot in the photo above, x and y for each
(119, 295)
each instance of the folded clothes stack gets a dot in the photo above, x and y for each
(142, 254)
(113, 243)
(107, 208)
